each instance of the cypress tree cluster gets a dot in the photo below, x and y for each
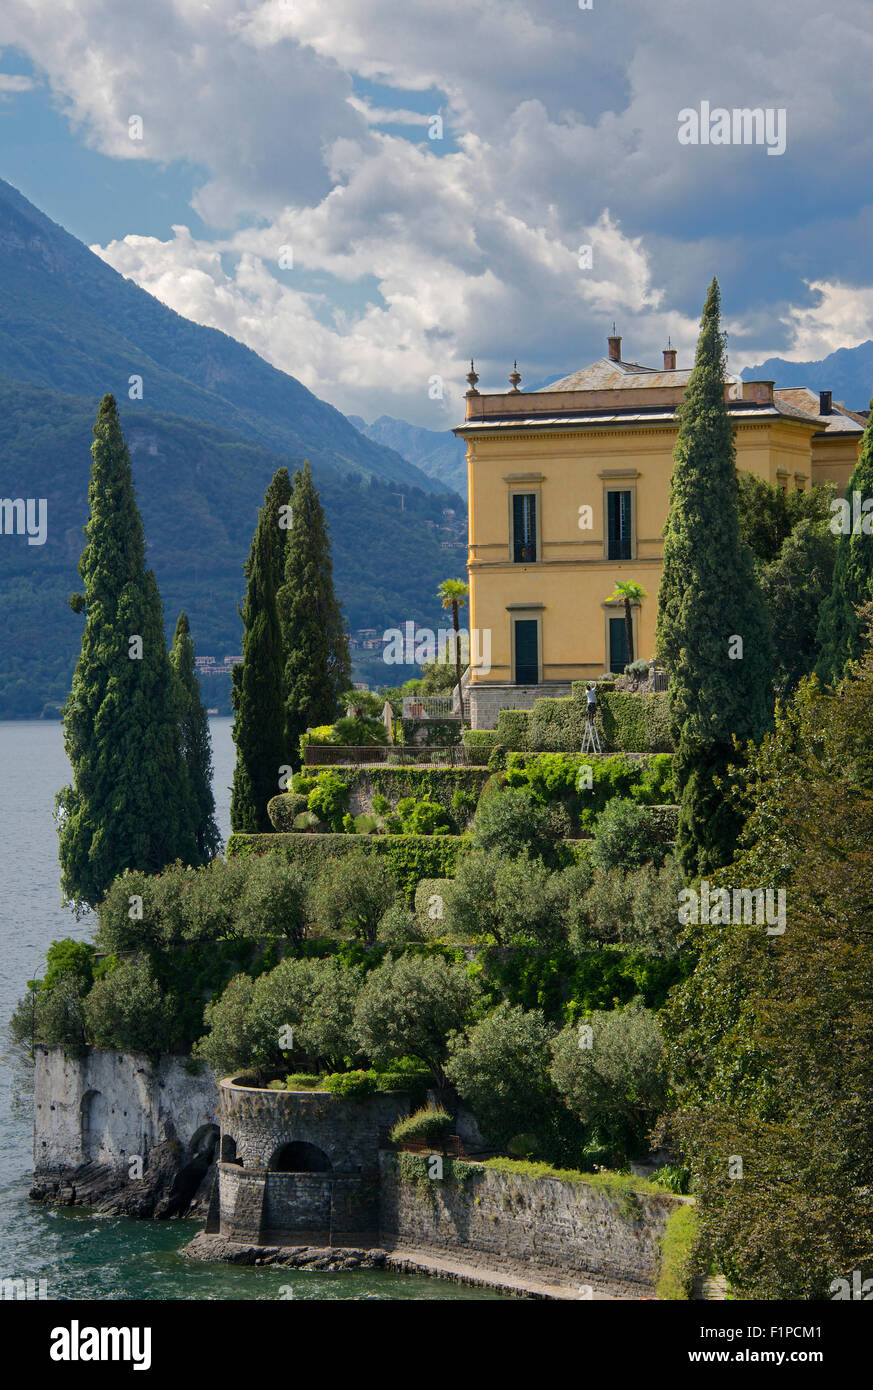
(258, 695)
(317, 664)
(713, 633)
(840, 630)
(196, 742)
(129, 804)
(295, 651)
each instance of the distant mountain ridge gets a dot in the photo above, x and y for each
(438, 453)
(848, 373)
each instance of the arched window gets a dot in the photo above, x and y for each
(299, 1157)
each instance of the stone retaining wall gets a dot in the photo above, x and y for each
(511, 1219)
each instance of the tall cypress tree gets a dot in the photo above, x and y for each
(317, 665)
(840, 630)
(128, 804)
(713, 632)
(196, 743)
(258, 695)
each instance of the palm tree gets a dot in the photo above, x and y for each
(628, 593)
(453, 593)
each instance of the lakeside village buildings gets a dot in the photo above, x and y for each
(569, 489)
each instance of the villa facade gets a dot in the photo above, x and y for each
(569, 490)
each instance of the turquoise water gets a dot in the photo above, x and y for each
(81, 1255)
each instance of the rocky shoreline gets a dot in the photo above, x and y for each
(172, 1185)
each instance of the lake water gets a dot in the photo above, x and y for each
(81, 1255)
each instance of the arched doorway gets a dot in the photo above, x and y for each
(299, 1157)
(228, 1150)
(93, 1121)
(204, 1142)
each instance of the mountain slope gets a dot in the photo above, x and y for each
(199, 488)
(69, 322)
(848, 373)
(438, 453)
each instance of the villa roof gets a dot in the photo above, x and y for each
(839, 421)
(605, 374)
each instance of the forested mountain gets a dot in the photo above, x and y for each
(214, 424)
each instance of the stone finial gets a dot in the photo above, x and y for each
(472, 378)
(514, 379)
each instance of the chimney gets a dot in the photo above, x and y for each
(669, 357)
(825, 401)
(614, 346)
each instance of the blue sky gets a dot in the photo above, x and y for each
(271, 125)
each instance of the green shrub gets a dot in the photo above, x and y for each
(306, 823)
(351, 895)
(422, 817)
(433, 898)
(283, 808)
(398, 926)
(432, 1123)
(625, 837)
(329, 800)
(678, 1254)
(128, 1010)
(513, 727)
(497, 760)
(301, 1081)
(275, 900)
(350, 1083)
(359, 732)
(381, 804)
(557, 725)
(612, 1079)
(511, 823)
(511, 899)
(501, 1070)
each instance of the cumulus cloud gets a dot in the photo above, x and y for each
(563, 127)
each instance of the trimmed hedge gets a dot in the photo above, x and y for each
(626, 723)
(513, 727)
(637, 723)
(479, 744)
(409, 857)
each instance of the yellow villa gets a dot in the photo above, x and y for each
(568, 494)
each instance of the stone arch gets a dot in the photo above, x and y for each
(204, 1142)
(93, 1121)
(228, 1150)
(299, 1157)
